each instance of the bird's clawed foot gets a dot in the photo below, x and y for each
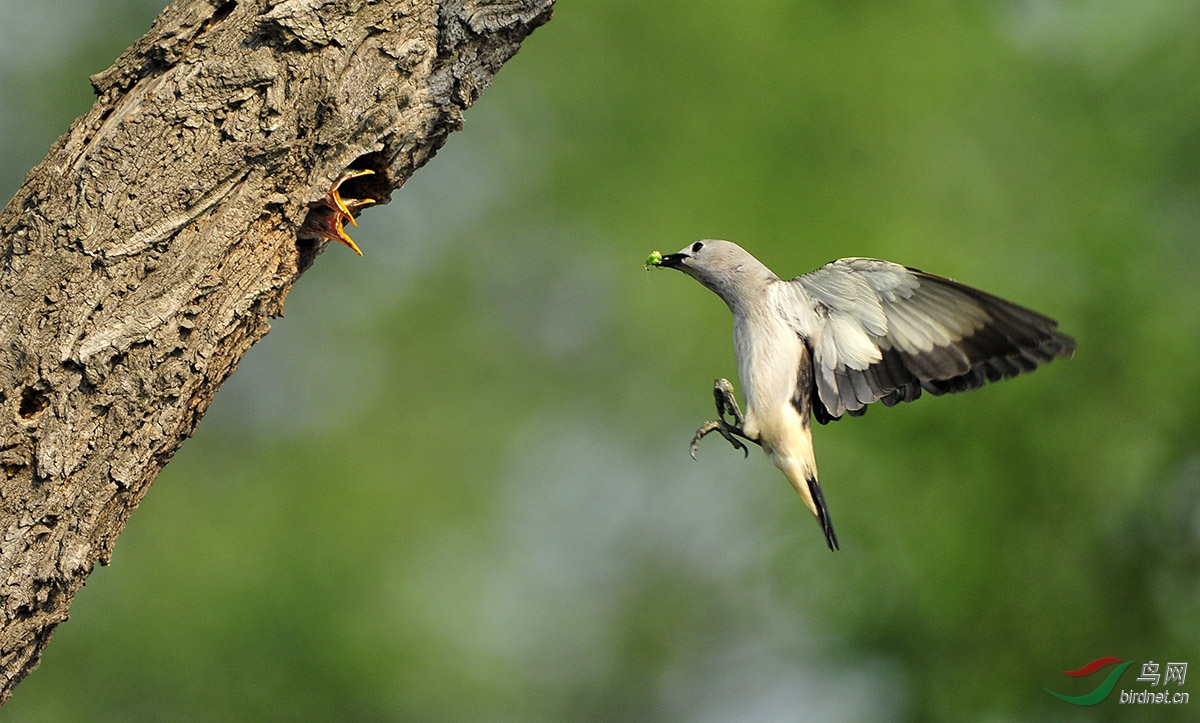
(328, 216)
(726, 404)
(718, 425)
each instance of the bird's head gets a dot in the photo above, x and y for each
(724, 267)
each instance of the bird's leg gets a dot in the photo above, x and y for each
(726, 404)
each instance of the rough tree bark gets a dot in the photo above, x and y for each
(146, 253)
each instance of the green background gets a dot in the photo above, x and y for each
(453, 484)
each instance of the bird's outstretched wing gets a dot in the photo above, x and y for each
(879, 331)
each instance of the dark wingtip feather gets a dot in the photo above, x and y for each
(1016, 341)
(814, 489)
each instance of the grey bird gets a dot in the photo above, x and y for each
(853, 332)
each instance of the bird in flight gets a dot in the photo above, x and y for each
(853, 332)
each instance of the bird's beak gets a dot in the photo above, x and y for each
(674, 261)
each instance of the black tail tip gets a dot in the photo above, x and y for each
(830, 536)
(814, 489)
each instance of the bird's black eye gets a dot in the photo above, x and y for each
(696, 247)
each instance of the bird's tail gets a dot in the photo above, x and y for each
(804, 479)
(814, 488)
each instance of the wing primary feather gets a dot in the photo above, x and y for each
(890, 333)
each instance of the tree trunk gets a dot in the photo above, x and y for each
(147, 252)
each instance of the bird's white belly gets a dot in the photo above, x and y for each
(769, 354)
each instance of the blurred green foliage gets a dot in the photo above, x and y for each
(453, 482)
